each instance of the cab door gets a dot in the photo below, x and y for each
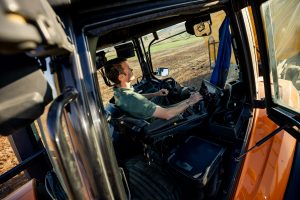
(278, 32)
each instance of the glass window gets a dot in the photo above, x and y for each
(187, 55)
(282, 31)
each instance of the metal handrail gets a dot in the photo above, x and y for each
(63, 160)
(79, 157)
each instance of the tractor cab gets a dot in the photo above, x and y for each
(242, 57)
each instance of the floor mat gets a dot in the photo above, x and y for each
(150, 182)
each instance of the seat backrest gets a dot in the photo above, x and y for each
(122, 121)
(114, 111)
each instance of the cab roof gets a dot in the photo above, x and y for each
(115, 21)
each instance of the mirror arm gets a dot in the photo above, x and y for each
(106, 81)
(209, 31)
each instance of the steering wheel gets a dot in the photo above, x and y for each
(169, 84)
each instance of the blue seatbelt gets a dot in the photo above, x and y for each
(219, 74)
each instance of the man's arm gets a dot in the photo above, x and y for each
(168, 113)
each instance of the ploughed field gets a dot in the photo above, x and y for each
(188, 65)
(7, 161)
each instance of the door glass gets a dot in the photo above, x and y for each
(282, 31)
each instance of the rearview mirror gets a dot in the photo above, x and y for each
(202, 29)
(200, 26)
(162, 71)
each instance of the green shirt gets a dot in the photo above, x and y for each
(134, 103)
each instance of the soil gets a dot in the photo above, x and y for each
(7, 161)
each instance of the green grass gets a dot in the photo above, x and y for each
(174, 44)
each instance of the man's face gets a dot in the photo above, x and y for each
(128, 75)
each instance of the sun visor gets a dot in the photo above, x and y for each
(24, 92)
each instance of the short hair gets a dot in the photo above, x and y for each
(113, 69)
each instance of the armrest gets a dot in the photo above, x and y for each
(137, 122)
(161, 123)
(133, 123)
(160, 129)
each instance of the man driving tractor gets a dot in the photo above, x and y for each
(138, 105)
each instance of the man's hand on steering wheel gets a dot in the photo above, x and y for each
(162, 92)
(170, 84)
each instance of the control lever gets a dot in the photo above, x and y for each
(201, 107)
(260, 142)
(190, 110)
